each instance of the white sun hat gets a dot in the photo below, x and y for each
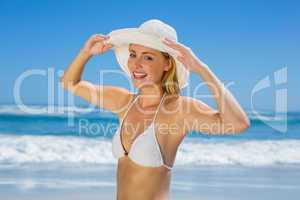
(149, 34)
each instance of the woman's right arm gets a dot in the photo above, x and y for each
(108, 97)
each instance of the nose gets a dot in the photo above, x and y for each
(138, 62)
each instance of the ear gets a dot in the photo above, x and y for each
(167, 65)
(166, 68)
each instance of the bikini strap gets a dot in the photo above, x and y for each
(135, 98)
(167, 166)
(158, 107)
(131, 104)
(121, 124)
(154, 134)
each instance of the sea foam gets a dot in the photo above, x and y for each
(68, 149)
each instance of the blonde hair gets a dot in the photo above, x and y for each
(170, 80)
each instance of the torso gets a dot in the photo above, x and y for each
(139, 182)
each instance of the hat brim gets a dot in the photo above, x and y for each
(121, 39)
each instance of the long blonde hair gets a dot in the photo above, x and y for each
(170, 80)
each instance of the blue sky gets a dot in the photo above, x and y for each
(241, 41)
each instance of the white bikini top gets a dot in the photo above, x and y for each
(145, 149)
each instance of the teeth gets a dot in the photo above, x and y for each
(139, 75)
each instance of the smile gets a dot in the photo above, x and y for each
(139, 75)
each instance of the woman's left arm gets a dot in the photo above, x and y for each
(230, 114)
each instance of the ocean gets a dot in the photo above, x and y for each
(66, 152)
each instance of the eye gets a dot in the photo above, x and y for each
(148, 58)
(132, 55)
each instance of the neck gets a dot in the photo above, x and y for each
(150, 97)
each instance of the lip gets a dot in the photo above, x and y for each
(139, 75)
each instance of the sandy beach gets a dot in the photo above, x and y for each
(207, 183)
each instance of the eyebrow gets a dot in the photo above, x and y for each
(145, 52)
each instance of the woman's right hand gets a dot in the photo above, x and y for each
(96, 45)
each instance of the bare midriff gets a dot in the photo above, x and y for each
(139, 182)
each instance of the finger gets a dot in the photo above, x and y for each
(181, 59)
(177, 44)
(169, 41)
(106, 47)
(180, 48)
(173, 44)
(99, 37)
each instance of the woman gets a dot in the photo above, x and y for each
(153, 122)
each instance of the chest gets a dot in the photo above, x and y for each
(164, 127)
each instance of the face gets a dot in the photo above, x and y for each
(146, 65)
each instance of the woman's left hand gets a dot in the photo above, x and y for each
(185, 55)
